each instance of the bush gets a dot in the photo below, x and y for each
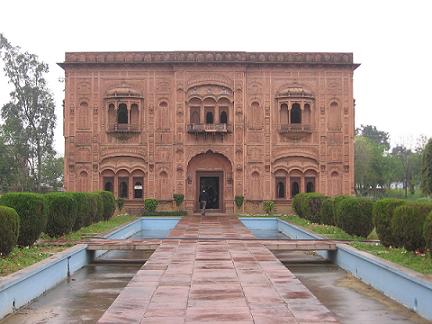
(84, 212)
(178, 198)
(354, 215)
(9, 229)
(311, 206)
(166, 213)
(31, 211)
(269, 206)
(382, 213)
(109, 204)
(94, 200)
(62, 211)
(427, 232)
(297, 203)
(407, 224)
(150, 204)
(120, 203)
(327, 212)
(239, 200)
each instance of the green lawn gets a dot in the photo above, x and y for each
(22, 257)
(416, 262)
(331, 232)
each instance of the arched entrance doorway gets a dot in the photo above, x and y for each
(211, 172)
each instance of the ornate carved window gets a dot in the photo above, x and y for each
(124, 187)
(108, 184)
(295, 112)
(210, 109)
(138, 188)
(123, 110)
(280, 187)
(122, 114)
(295, 115)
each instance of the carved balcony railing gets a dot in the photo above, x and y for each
(295, 131)
(295, 128)
(124, 128)
(209, 128)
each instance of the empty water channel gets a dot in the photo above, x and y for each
(86, 294)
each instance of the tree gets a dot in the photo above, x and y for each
(368, 165)
(29, 117)
(426, 179)
(52, 172)
(372, 133)
(409, 161)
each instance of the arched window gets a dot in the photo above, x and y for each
(163, 115)
(284, 114)
(111, 116)
(255, 115)
(123, 187)
(295, 188)
(223, 117)
(209, 117)
(122, 114)
(195, 117)
(108, 186)
(335, 184)
(138, 190)
(295, 114)
(280, 188)
(310, 185)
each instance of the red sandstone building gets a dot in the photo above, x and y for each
(261, 125)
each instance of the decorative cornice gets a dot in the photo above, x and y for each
(212, 57)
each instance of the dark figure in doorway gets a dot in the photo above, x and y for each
(203, 199)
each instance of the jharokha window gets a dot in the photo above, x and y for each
(209, 104)
(280, 188)
(123, 107)
(295, 110)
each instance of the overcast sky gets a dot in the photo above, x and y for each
(391, 39)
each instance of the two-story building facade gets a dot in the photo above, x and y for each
(261, 125)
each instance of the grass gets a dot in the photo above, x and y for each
(331, 232)
(22, 257)
(418, 262)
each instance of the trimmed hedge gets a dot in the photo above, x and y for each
(382, 215)
(150, 204)
(354, 215)
(311, 206)
(427, 232)
(62, 212)
(297, 203)
(84, 210)
(327, 212)
(165, 213)
(9, 229)
(407, 224)
(109, 204)
(31, 211)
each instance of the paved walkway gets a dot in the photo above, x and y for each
(226, 281)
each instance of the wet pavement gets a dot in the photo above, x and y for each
(210, 282)
(215, 281)
(81, 299)
(350, 299)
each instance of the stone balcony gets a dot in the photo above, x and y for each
(124, 128)
(295, 131)
(209, 128)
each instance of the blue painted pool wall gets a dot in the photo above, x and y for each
(25, 285)
(403, 285)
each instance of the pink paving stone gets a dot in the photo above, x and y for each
(214, 281)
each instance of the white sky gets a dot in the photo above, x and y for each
(391, 39)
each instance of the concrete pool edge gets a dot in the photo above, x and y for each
(19, 288)
(407, 287)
